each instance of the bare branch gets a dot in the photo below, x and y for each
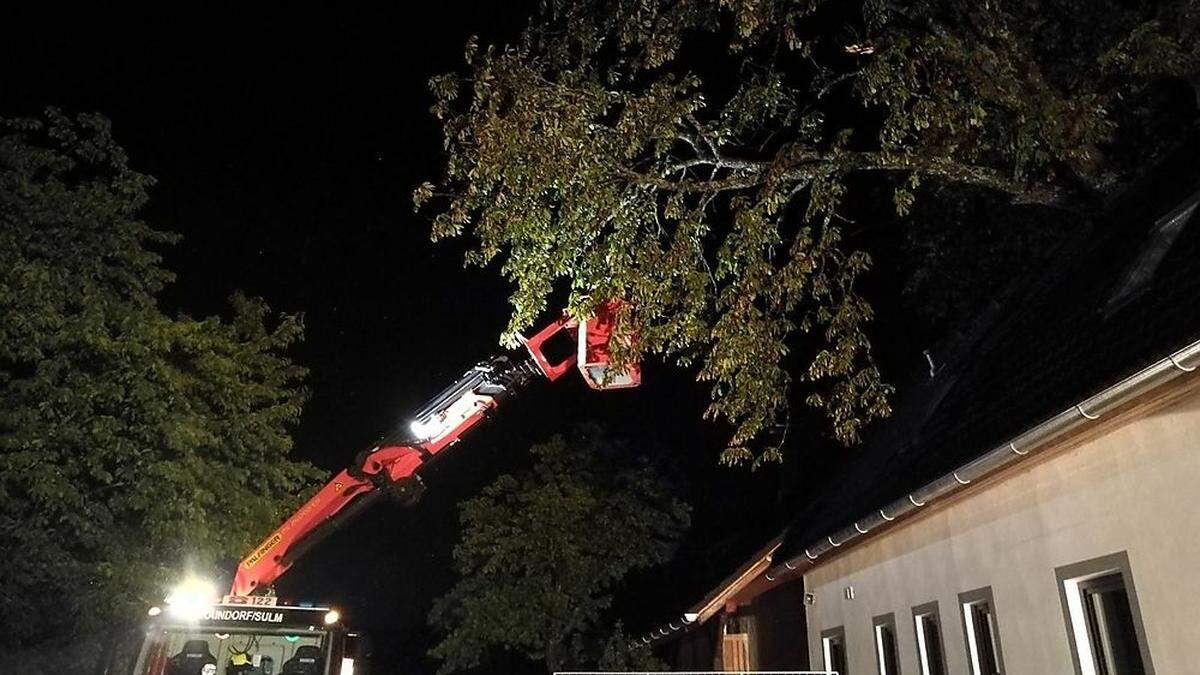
(825, 88)
(807, 165)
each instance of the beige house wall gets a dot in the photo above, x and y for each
(1134, 489)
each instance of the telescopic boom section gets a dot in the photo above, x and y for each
(391, 468)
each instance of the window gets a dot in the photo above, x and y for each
(928, 624)
(833, 648)
(886, 653)
(1104, 623)
(1110, 625)
(982, 634)
(193, 649)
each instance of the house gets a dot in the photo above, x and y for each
(1033, 506)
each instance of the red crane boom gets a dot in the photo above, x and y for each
(391, 467)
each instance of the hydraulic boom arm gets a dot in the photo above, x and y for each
(391, 467)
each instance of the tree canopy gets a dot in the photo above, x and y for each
(704, 159)
(132, 443)
(542, 551)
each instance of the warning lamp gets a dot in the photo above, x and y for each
(191, 598)
(426, 429)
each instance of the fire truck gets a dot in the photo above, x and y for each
(250, 631)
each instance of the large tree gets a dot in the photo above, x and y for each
(702, 159)
(543, 550)
(132, 443)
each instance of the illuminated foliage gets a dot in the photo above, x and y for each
(130, 441)
(698, 159)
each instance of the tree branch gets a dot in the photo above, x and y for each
(827, 86)
(808, 165)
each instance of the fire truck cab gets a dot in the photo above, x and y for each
(249, 636)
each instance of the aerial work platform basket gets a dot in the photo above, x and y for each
(591, 352)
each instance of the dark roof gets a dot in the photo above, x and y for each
(1118, 295)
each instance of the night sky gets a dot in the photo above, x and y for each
(286, 148)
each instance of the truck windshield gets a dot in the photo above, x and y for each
(200, 650)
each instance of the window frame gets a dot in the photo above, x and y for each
(1068, 579)
(927, 609)
(888, 620)
(968, 599)
(839, 633)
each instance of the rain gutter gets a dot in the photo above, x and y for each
(1025, 445)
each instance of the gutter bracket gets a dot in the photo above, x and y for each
(1180, 366)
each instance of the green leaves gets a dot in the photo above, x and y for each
(542, 551)
(700, 160)
(130, 441)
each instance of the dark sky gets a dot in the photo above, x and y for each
(286, 146)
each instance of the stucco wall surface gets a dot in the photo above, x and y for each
(1135, 489)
